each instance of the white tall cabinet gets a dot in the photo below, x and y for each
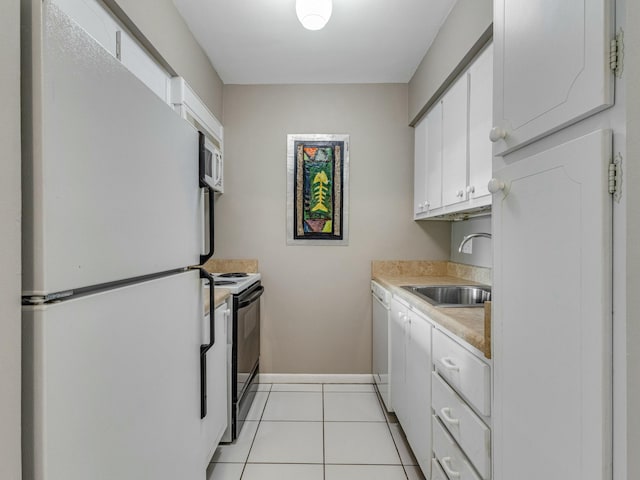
(552, 229)
(552, 327)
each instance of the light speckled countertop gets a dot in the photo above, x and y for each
(466, 323)
(219, 296)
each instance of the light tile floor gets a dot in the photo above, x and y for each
(316, 432)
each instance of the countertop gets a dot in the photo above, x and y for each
(466, 323)
(220, 295)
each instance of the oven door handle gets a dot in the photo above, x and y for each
(254, 296)
(205, 184)
(204, 348)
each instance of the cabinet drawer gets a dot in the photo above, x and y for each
(453, 461)
(473, 436)
(469, 375)
(437, 473)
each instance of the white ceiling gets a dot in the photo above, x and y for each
(365, 41)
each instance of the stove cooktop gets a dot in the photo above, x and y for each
(235, 282)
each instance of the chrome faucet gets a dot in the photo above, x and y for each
(469, 237)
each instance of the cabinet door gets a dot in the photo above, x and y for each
(454, 143)
(434, 158)
(480, 118)
(552, 314)
(215, 423)
(551, 66)
(420, 168)
(398, 357)
(418, 373)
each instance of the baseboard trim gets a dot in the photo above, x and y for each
(315, 378)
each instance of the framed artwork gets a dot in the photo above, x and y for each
(317, 189)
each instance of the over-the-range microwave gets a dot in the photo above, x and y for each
(212, 164)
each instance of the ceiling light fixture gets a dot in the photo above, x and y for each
(313, 14)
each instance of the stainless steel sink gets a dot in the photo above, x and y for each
(452, 295)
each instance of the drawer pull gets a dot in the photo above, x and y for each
(450, 364)
(446, 415)
(447, 468)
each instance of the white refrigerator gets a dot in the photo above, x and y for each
(113, 326)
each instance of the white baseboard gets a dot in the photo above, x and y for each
(315, 378)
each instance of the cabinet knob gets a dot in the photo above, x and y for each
(471, 189)
(495, 185)
(460, 193)
(426, 205)
(497, 133)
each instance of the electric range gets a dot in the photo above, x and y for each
(244, 342)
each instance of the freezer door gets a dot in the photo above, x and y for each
(111, 175)
(111, 384)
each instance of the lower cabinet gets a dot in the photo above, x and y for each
(411, 379)
(465, 427)
(448, 453)
(437, 473)
(440, 392)
(214, 423)
(398, 381)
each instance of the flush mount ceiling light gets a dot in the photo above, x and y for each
(313, 14)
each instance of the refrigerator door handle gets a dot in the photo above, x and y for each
(204, 348)
(205, 184)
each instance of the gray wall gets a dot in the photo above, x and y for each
(317, 307)
(481, 255)
(10, 283)
(162, 25)
(461, 36)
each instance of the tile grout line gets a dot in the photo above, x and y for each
(393, 439)
(256, 433)
(324, 455)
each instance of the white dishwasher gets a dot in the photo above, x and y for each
(380, 342)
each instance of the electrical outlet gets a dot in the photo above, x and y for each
(468, 247)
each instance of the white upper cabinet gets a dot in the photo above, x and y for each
(480, 118)
(454, 142)
(434, 158)
(551, 67)
(427, 174)
(420, 167)
(453, 168)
